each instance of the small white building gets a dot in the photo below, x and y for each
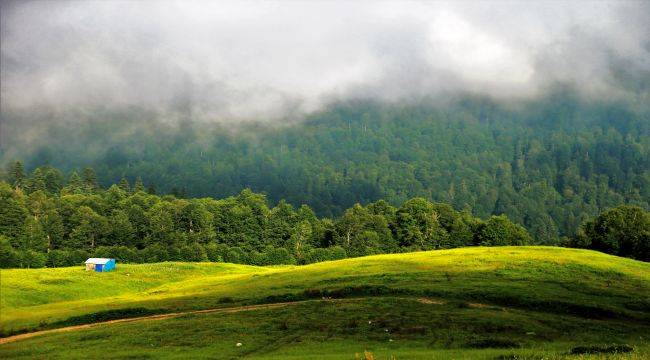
(100, 264)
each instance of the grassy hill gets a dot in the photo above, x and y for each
(453, 303)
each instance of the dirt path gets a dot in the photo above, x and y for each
(19, 337)
(235, 309)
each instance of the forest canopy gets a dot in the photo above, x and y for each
(548, 164)
(46, 221)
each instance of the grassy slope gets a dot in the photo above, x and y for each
(406, 328)
(528, 277)
(578, 296)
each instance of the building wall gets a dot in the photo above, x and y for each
(109, 265)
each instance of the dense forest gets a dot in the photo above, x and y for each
(548, 164)
(46, 221)
(43, 222)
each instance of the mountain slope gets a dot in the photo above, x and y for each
(548, 164)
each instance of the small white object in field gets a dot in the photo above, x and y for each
(390, 340)
(369, 321)
(238, 344)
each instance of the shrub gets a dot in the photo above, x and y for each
(257, 258)
(9, 258)
(193, 252)
(32, 259)
(57, 258)
(77, 257)
(500, 231)
(278, 256)
(122, 254)
(622, 231)
(213, 251)
(106, 315)
(235, 255)
(174, 253)
(337, 253)
(492, 343)
(154, 253)
(218, 251)
(318, 255)
(611, 349)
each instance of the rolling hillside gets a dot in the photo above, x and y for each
(541, 299)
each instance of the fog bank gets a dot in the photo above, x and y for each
(234, 61)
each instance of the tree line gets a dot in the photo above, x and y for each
(46, 221)
(549, 164)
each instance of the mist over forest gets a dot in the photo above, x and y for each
(543, 115)
(249, 61)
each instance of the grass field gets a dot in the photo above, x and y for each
(531, 302)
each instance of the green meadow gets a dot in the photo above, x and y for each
(503, 302)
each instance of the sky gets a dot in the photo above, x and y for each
(263, 60)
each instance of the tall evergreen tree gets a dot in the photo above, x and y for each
(53, 179)
(90, 179)
(75, 183)
(124, 185)
(139, 186)
(37, 182)
(17, 174)
(13, 212)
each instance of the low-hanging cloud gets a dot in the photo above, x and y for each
(263, 60)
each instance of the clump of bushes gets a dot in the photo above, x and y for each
(492, 343)
(606, 349)
(106, 316)
(622, 231)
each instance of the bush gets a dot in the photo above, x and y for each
(337, 253)
(214, 253)
(154, 253)
(235, 255)
(492, 343)
(193, 252)
(622, 231)
(58, 258)
(218, 251)
(257, 258)
(174, 253)
(32, 259)
(106, 315)
(611, 349)
(318, 255)
(77, 257)
(278, 256)
(9, 258)
(500, 231)
(121, 254)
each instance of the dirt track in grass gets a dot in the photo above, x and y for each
(28, 335)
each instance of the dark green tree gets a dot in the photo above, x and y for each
(622, 231)
(17, 174)
(124, 185)
(500, 231)
(89, 179)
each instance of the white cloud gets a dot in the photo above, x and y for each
(243, 60)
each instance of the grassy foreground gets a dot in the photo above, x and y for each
(535, 302)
